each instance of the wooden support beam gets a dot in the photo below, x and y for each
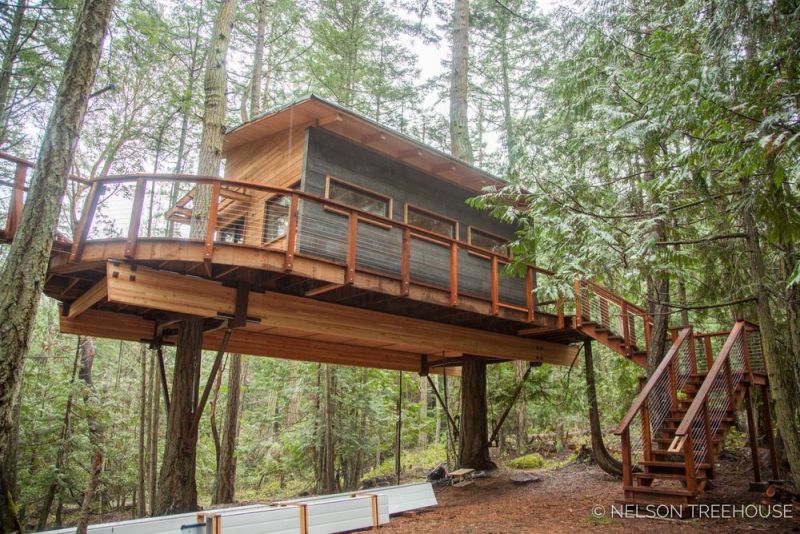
(234, 195)
(443, 404)
(330, 119)
(95, 294)
(373, 138)
(409, 154)
(205, 298)
(327, 288)
(201, 404)
(87, 216)
(136, 218)
(442, 167)
(291, 234)
(211, 223)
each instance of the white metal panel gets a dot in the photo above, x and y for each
(275, 520)
(402, 498)
(339, 515)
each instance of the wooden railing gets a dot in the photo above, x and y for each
(145, 206)
(16, 188)
(718, 396)
(597, 304)
(656, 400)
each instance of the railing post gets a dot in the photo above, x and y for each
(627, 473)
(604, 319)
(626, 330)
(691, 473)
(647, 332)
(213, 210)
(692, 353)
(87, 216)
(709, 352)
(746, 355)
(495, 289)
(578, 303)
(453, 274)
(673, 380)
(729, 384)
(291, 234)
(646, 436)
(136, 218)
(560, 311)
(17, 200)
(709, 437)
(530, 299)
(352, 236)
(405, 263)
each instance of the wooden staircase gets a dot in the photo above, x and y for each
(685, 409)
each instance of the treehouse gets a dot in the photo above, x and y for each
(334, 239)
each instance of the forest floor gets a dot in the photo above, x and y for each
(564, 499)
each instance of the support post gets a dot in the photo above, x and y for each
(626, 330)
(751, 433)
(405, 263)
(767, 418)
(443, 404)
(352, 236)
(201, 404)
(453, 274)
(17, 200)
(213, 209)
(136, 218)
(291, 234)
(87, 216)
(495, 289)
(627, 473)
(398, 436)
(530, 299)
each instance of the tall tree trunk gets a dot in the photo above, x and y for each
(422, 440)
(225, 487)
(460, 145)
(326, 479)
(474, 425)
(10, 53)
(177, 489)
(521, 408)
(155, 416)
(95, 434)
(258, 60)
(781, 364)
(141, 501)
(601, 456)
(25, 267)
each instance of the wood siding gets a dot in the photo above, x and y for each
(275, 160)
(324, 233)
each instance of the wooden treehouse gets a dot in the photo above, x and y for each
(334, 239)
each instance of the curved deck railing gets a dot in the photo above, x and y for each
(213, 211)
(655, 401)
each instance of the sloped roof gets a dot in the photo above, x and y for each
(318, 112)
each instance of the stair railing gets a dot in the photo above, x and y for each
(716, 398)
(597, 304)
(656, 400)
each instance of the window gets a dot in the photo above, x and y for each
(431, 222)
(488, 241)
(276, 218)
(233, 233)
(358, 197)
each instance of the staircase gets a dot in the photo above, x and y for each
(676, 427)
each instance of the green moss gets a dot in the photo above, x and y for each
(529, 461)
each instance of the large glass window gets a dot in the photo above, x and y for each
(233, 233)
(430, 221)
(276, 218)
(488, 241)
(359, 198)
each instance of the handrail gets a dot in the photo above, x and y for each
(702, 394)
(654, 378)
(605, 292)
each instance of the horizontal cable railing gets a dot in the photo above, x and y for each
(216, 211)
(717, 397)
(655, 402)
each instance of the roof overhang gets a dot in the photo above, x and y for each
(314, 111)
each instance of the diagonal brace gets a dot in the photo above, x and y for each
(444, 407)
(513, 400)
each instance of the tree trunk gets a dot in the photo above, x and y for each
(95, 435)
(177, 489)
(326, 477)
(155, 416)
(781, 364)
(422, 440)
(141, 501)
(521, 408)
(258, 60)
(25, 267)
(474, 430)
(460, 145)
(659, 311)
(601, 456)
(225, 487)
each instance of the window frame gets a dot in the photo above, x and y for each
(408, 206)
(506, 253)
(369, 192)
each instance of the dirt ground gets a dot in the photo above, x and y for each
(563, 500)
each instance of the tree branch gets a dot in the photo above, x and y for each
(706, 239)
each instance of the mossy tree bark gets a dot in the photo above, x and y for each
(460, 145)
(23, 275)
(474, 430)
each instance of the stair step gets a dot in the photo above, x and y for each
(659, 490)
(671, 465)
(665, 452)
(664, 476)
(668, 441)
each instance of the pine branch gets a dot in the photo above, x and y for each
(706, 239)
